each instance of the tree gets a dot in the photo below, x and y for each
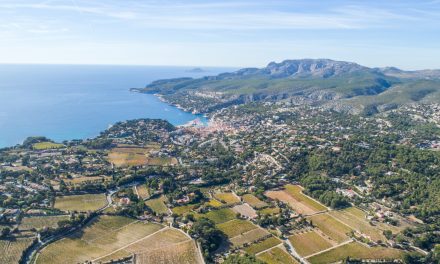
(5, 232)
(207, 234)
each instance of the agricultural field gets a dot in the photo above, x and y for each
(128, 156)
(142, 191)
(227, 198)
(270, 211)
(82, 203)
(10, 251)
(253, 201)
(39, 222)
(83, 179)
(296, 192)
(168, 245)
(262, 245)
(236, 227)
(184, 209)
(355, 250)
(46, 145)
(249, 236)
(277, 255)
(218, 216)
(331, 227)
(309, 242)
(351, 217)
(214, 203)
(158, 205)
(103, 236)
(245, 210)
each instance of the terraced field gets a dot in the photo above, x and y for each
(81, 203)
(355, 250)
(103, 236)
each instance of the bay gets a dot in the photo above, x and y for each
(64, 102)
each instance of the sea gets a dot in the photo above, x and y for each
(64, 102)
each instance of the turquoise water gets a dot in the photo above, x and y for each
(65, 102)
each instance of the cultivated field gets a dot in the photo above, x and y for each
(227, 198)
(309, 242)
(85, 202)
(245, 210)
(331, 227)
(277, 256)
(126, 156)
(302, 204)
(83, 179)
(103, 236)
(129, 156)
(158, 205)
(249, 236)
(39, 222)
(143, 191)
(46, 145)
(254, 201)
(183, 210)
(10, 251)
(262, 245)
(270, 211)
(168, 245)
(214, 203)
(355, 250)
(236, 227)
(355, 218)
(219, 216)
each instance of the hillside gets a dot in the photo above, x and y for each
(338, 84)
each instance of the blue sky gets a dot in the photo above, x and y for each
(236, 33)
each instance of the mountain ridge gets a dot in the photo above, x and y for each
(312, 81)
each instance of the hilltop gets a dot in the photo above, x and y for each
(339, 85)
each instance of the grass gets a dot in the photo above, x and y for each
(103, 236)
(184, 209)
(82, 203)
(227, 198)
(219, 216)
(46, 145)
(308, 243)
(356, 250)
(296, 192)
(158, 205)
(236, 227)
(262, 245)
(253, 201)
(277, 256)
(11, 250)
(331, 227)
(39, 222)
